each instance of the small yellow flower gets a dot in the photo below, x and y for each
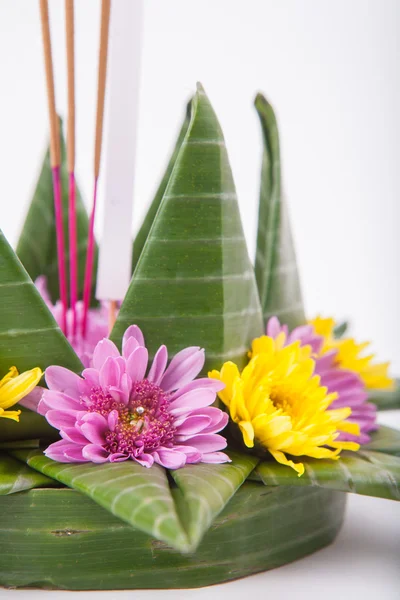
(14, 387)
(279, 404)
(351, 356)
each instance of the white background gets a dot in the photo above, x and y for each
(331, 69)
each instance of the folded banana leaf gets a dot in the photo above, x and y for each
(60, 538)
(31, 425)
(364, 472)
(275, 264)
(36, 247)
(17, 477)
(194, 283)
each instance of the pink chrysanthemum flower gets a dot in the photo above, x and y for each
(116, 412)
(96, 329)
(347, 384)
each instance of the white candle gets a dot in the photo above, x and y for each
(114, 270)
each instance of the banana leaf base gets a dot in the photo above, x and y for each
(58, 538)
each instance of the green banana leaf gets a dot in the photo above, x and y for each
(31, 425)
(386, 440)
(60, 538)
(194, 284)
(16, 477)
(36, 247)
(139, 496)
(275, 264)
(364, 472)
(30, 337)
(386, 399)
(207, 489)
(143, 232)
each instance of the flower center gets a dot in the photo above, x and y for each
(144, 424)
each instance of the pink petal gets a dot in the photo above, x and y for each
(195, 399)
(62, 380)
(110, 374)
(219, 419)
(91, 376)
(158, 366)
(112, 419)
(146, 460)
(104, 349)
(95, 454)
(184, 367)
(192, 425)
(170, 459)
(130, 345)
(64, 451)
(204, 382)
(118, 457)
(73, 435)
(215, 458)
(94, 427)
(60, 401)
(192, 454)
(274, 327)
(135, 332)
(136, 364)
(62, 418)
(32, 400)
(208, 442)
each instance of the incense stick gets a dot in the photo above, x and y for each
(73, 249)
(55, 159)
(101, 87)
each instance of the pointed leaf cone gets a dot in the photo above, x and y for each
(363, 472)
(30, 337)
(137, 495)
(275, 265)
(143, 232)
(194, 283)
(16, 477)
(36, 247)
(207, 489)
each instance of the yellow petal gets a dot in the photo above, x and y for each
(18, 387)
(13, 372)
(10, 414)
(247, 431)
(281, 458)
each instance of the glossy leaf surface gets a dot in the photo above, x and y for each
(16, 477)
(207, 489)
(363, 472)
(139, 496)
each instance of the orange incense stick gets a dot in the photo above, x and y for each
(101, 88)
(72, 225)
(55, 159)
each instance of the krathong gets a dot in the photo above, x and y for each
(14, 387)
(190, 480)
(115, 412)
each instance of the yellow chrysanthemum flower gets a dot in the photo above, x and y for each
(350, 355)
(14, 387)
(279, 404)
